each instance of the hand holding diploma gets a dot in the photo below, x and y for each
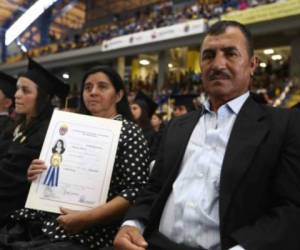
(73, 221)
(76, 221)
(35, 169)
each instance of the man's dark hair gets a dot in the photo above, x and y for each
(221, 26)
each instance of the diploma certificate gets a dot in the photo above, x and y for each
(79, 152)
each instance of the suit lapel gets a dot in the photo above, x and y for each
(249, 129)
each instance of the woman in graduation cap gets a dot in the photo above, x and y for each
(102, 95)
(35, 89)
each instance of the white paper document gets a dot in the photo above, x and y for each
(79, 152)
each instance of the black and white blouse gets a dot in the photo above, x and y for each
(130, 174)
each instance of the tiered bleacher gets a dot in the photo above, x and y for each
(149, 18)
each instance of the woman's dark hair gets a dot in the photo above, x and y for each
(122, 105)
(161, 118)
(144, 120)
(54, 149)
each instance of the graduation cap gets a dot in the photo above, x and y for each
(8, 85)
(46, 80)
(184, 100)
(149, 104)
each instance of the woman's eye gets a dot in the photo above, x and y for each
(102, 86)
(25, 90)
(87, 87)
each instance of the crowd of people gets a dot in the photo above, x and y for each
(157, 16)
(150, 17)
(223, 176)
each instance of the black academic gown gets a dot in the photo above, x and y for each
(5, 123)
(149, 134)
(156, 138)
(13, 167)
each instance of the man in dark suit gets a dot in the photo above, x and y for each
(226, 177)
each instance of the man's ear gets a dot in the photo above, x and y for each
(253, 65)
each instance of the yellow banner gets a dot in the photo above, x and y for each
(265, 12)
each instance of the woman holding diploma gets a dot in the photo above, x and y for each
(103, 95)
(35, 89)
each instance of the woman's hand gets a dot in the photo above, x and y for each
(73, 221)
(35, 169)
(76, 221)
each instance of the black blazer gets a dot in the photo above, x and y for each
(260, 178)
(14, 163)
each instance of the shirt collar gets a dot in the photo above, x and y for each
(3, 113)
(235, 104)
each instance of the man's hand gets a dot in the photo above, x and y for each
(129, 238)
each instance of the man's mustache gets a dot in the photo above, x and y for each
(217, 74)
